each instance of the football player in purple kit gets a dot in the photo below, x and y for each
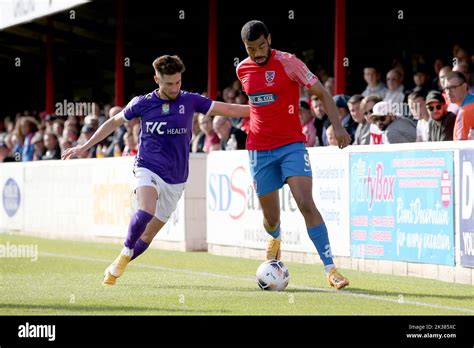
(162, 163)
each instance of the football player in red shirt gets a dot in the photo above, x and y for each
(275, 141)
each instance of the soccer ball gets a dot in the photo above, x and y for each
(273, 275)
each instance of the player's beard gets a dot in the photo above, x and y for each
(269, 53)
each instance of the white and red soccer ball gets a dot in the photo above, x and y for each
(273, 275)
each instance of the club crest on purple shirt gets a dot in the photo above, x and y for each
(165, 108)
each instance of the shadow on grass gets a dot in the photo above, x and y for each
(86, 309)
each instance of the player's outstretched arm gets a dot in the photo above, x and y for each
(100, 134)
(343, 138)
(230, 110)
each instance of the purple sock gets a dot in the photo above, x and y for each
(136, 227)
(140, 247)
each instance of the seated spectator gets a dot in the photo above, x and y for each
(86, 133)
(396, 129)
(395, 89)
(362, 132)
(29, 127)
(5, 152)
(456, 88)
(130, 148)
(53, 150)
(321, 120)
(417, 104)
(344, 115)
(208, 141)
(58, 127)
(329, 85)
(421, 78)
(117, 135)
(331, 136)
(307, 122)
(374, 85)
(37, 142)
(463, 67)
(367, 107)
(442, 121)
(224, 129)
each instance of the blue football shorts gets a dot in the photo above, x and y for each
(271, 168)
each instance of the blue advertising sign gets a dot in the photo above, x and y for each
(466, 206)
(11, 197)
(401, 206)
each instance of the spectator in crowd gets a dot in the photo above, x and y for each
(130, 148)
(374, 85)
(344, 115)
(117, 135)
(5, 152)
(208, 141)
(442, 121)
(362, 132)
(464, 68)
(331, 136)
(17, 145)
(53, 150)
(136, 133)
(367, 107)
(229, 94)
(417, 104)
(395, 89)
(37, 142)
(445, 70)
(86, 133)
(211, 141)
(65, 144)
(456, 88)
(196, 132)
(329, 85)
(58, 128)
(29, 127)
(70, 134)
(307, 122)
(224, 129)
(421, 78)
(438, 64)
(395, 127)
(321, 120)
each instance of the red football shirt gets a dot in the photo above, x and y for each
(274, 92)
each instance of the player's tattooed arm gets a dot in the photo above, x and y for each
(343, 138)
(230, 110)
(100, 134)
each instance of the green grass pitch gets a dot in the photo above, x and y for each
(66, 280)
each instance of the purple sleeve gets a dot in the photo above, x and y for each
(132, 109)
(202, 104)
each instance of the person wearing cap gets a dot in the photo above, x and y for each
(344, 115)
(307, 122)
(442, 121)
(396, 129)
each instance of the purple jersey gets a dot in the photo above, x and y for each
(165, 133)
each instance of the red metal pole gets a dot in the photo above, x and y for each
(49, 80)
(340, 47)
(119, 56)
(212, 51)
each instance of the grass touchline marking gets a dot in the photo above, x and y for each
(301, 287)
